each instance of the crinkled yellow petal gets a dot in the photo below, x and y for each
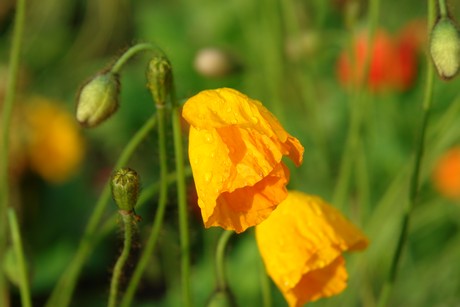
(212, 109)
(302, 235)
(324, 282)
(235, 150)
(249, 206)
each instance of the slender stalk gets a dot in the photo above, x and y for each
(17, 244)
(159, 216)
(356, 113)
(442, 8)
(63, 291)
(220, 259)
(222, 292)
(15, 54)
(415, 178)
(130, 53)
(265, 285)
(118, 269)
(182, 202)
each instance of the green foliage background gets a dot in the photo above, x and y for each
(68, 41)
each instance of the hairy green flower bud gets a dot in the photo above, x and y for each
(98, 99)
(125, 189)
(445, 48)
(159, 79)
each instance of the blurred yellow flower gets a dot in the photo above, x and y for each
(301, 244)
(54, 145)
(235, 150)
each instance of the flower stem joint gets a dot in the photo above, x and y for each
(159, 79)
(125, 190)
(98, 99)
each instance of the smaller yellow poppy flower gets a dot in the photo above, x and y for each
(235, 150)
(301, 244)
(55, 146)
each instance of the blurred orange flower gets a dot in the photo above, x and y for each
(235, 149)
(446, 175)
(54, 145)
(301, 244)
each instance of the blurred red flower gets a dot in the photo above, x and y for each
(392, 62)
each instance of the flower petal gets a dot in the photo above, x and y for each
(235, 149)
(249, 206)
(224, 107)
(323, 282)
(304, 234)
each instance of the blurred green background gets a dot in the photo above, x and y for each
(283, 53)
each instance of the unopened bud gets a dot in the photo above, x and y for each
(159, 79)
(445, 48)
(98, 99)
(125, 189)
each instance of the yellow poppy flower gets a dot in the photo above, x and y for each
(55, 146)
(301, 244)
(235, 150)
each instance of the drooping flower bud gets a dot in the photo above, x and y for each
(125, 189)
(98, 99)
(159, 79)
(445, 48)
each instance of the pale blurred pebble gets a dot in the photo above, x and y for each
(214, 62)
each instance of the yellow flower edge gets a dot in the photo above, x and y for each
(235, 149)
(301, 244)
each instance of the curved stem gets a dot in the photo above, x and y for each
(15, 53)
(22, 268)
(182, 201)
(63, 291)
(415, 178)
(118, 269)
(220, 259)
(159, 216)
(130, 53)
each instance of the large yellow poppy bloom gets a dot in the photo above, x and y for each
(301, 244)
(235, 150)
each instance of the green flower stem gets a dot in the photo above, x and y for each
(265, 285)
(220, 260)
(415, 178)
(159, 216)
(63, 291)
(356, 113)
(128, 224)
(17, 244)
(15, 53)
(182, 201)
(130, 53)
(443, 8)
